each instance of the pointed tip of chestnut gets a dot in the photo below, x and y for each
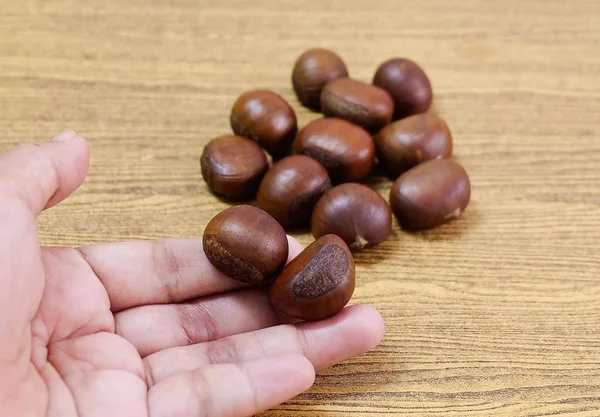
(318, 283)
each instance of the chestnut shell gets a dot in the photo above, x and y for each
(354, 212)
(233, 166)
(316, 284)
(408, 85)
(410, 141)
(363, 104)
(266, 118)
(430, 194)
(312, 71)
(346, 150)
(246, 244)
(291, 188)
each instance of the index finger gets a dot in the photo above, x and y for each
(159, 272)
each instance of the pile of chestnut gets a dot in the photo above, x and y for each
(313, 177)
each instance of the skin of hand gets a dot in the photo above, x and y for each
(140, 328)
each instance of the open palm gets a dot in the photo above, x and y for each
(140, 328)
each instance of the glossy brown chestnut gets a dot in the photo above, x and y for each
(360, 103)
(265, 117)
(233, 166)
(291, 188)
(430, 194)
(408, 142)
(354, 212)
(346, 150)
(317, 283)
(408, 85)
(312, 70)
(246, 244)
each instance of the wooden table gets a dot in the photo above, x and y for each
(497, 313)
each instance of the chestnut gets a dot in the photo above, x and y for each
(408, 85)
(312, 70)
(291, 188)
(360, 103)
(233, 166)
(430, 194)
(316, 284)
(267, 118)
(408, 142)
(346, 150)
(246, 244)
(355, 213)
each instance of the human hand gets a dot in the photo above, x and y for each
(140, 328)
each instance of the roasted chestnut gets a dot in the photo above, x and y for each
(346, 150)
(267, 118)
(246, 244)
(290, 189)
(408, 85)
(412, 140)
(360, 103)
(233, 166)
(312, 70)
(316, 284)
(354, 212)
(430, 194)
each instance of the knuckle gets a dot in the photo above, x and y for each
(222, 351)
(29, 173)
(197, 323)
(167, 268)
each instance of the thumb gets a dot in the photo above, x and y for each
(43, 174)
(32, 177)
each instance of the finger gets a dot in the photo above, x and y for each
(158, 327)
(42, 175)
(159, 272)
(31, 177)
(353, 331)
(232, 390)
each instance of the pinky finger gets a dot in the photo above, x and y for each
(232, 390)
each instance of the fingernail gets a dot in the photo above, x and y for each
(66, 135)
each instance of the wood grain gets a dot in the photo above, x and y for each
(496, 314)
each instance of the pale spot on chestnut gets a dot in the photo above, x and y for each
(454, 213)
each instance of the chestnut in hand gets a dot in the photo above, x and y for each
(312, 70)
(412, 140)
(408, 85)
(430, 194)
(316, 284)
(291, 188)
(233, 166)
(346, 150)
(246, 244)
(363, 104)
(267, 118)
(354, 212)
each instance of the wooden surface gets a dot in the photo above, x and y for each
(496, 314)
